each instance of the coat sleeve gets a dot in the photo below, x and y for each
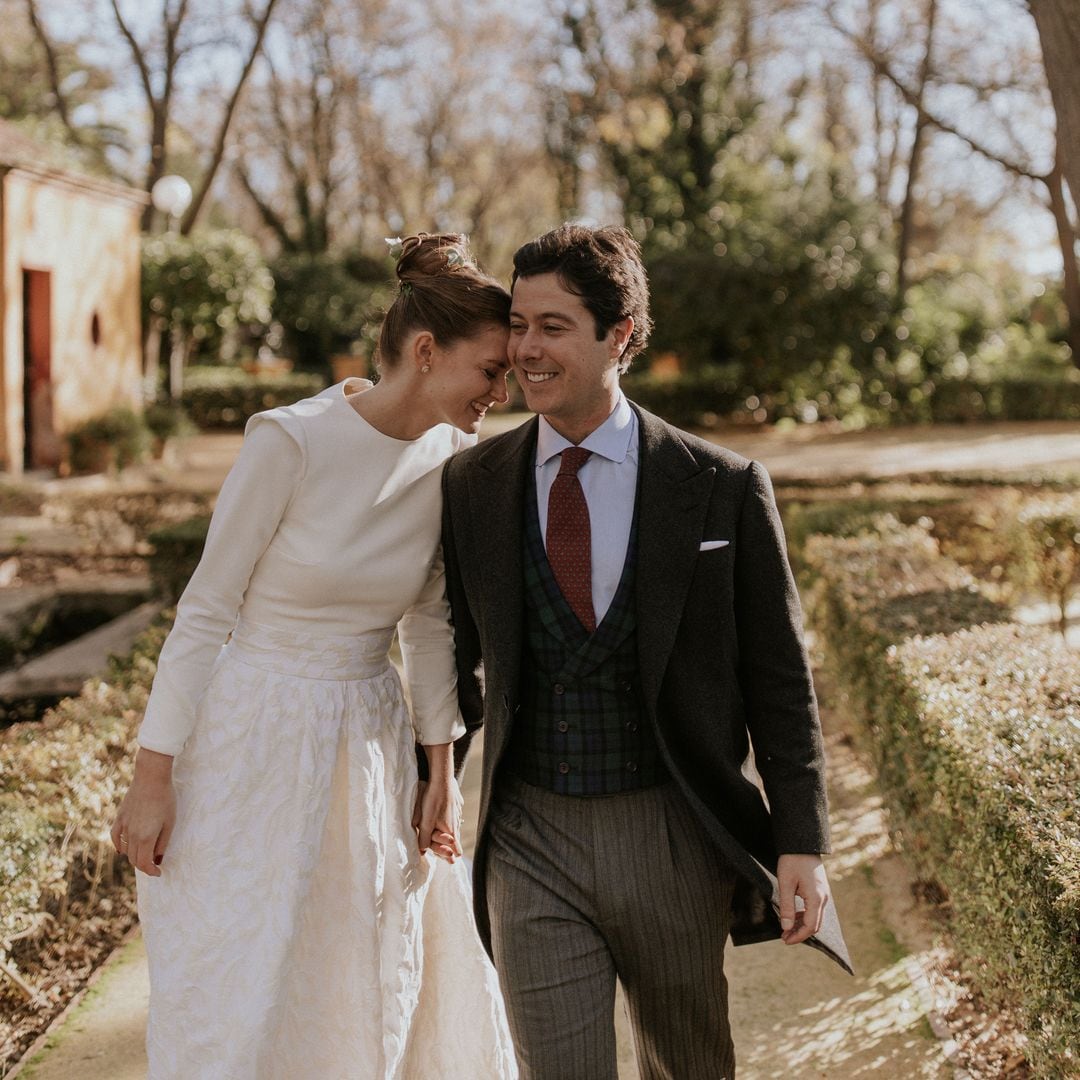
(774, 675)
(467, 645)
(249, 508)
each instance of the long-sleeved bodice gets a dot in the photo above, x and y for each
(324, 526)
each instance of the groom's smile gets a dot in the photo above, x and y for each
(566, 373)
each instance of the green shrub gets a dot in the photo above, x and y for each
(976, 737)
(975, 526)
(115, 439)
(1051, 527)
(208, 291)
(61, 780)
(853, 515)
(177, 551)
(226, 397)
(836, 391)
(696, 399)
(120, 523)
(167, 420)
(328, 305)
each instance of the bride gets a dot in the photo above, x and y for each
(305, 910)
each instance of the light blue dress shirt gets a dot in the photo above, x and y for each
(609, 480)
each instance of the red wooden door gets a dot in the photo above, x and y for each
(40, 447)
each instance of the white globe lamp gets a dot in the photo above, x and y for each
(171, 195)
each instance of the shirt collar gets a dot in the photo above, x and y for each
(611, 440)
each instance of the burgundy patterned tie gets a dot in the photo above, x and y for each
(569, 540)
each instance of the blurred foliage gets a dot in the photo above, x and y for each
(1051, 529)
(226, 397)
(789, 277)
(177, 551)
(212, 290)
(798, 324)
(114, 440)
(328, 305)
(27, 99)
(167, 420)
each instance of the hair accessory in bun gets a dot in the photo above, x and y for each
(441, 290)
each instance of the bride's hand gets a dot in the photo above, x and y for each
(147, 815)
(437, 818)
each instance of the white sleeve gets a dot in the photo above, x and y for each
(252, 501)
(427, 650)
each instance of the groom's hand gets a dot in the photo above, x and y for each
(801, 876)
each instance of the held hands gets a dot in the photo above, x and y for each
(801, 876)
(147, 815)
(437, 817)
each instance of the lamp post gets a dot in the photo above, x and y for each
(171, 195)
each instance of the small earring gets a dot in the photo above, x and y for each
(425, 369)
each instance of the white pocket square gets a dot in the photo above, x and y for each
(710, 545)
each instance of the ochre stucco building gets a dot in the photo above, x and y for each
(70, 337)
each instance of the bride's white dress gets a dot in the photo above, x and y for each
(294, 931)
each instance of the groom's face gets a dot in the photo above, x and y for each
(565, 373)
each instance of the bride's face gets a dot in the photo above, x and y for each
(468, 377)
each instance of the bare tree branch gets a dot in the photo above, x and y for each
(136, 52)
(907, 210)
(53, 65)
(911, 96)
(270, 217)
(226, 121)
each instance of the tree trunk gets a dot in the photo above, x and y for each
(260, 24)
(918, 145)
(1058, 22)
(1067, 239)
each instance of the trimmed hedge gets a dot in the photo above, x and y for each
(225, 398)
(975, 730)
(702, 398)
(61, 781)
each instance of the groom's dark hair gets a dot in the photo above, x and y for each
(603, 266)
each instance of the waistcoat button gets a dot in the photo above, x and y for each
(631, 766)
(563, 767)
(631, 725)
(559, 688)
(562, 725)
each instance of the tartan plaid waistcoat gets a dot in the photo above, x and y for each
(580, 728)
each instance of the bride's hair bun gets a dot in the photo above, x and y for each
(425, 256)
(442, 291)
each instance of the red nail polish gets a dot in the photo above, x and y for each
(157, 860)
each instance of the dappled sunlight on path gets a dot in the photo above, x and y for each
(796, 1014)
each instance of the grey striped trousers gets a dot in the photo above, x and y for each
(584, 890)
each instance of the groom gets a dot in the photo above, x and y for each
(627, 629)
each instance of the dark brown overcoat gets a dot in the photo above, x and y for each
(723, 665)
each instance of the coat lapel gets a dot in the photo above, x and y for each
(674, 500)
(497, 485)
